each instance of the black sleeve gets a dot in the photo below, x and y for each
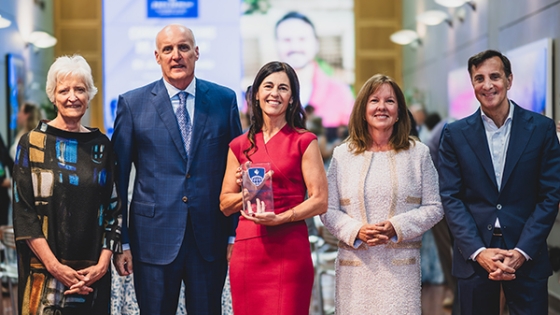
(5, 158)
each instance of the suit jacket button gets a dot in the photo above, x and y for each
(185, 199)
(188, 176)
(499, 207)
(489, 227)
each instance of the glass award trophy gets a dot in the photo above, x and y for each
(257, 188)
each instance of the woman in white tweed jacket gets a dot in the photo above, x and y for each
(383, 195)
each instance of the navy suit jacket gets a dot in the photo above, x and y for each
(526, 204)
(169, 186)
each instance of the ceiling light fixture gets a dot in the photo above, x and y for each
(450, 3)
(4, 22)
(405, 37)
(456, 3)
(434, 17)
(41, 39)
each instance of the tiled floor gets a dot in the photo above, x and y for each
(432, 300)
(6, 302)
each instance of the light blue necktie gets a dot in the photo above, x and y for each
(184, 120)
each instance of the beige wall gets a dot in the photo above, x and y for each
(78, 27)
(375, 21)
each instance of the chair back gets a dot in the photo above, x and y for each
(8, 240)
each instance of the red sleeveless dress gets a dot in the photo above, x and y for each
(271, 271)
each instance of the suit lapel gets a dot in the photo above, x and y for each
(201, 111)
(165, 110)
(475, 136)
(522, 128)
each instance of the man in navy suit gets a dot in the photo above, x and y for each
(500, 188)
(176, 131)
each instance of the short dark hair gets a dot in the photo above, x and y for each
(479, 58)
(432, 120)
(297, 16)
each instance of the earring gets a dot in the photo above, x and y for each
(397, 119)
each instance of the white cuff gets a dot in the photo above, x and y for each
(473, 256)
(527, 257)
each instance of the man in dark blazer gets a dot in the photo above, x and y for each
(176, 230)
(499, 172)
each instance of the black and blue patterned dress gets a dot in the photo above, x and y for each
(64, 192)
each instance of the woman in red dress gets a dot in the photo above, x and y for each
(271, 271)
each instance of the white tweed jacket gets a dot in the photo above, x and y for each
(413, 206)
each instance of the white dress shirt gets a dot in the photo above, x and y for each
(498, 142)
(191, 94)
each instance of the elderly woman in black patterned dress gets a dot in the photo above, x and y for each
(66, 212)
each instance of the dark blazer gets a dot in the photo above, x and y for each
(527, 203)
(168, 186)
(7, 164)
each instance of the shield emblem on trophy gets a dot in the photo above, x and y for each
(256, 174)
(257, 188)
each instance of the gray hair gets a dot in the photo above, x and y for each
(65, 66)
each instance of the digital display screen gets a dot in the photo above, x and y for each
(531, 66)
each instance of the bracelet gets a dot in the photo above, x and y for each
(293, 217)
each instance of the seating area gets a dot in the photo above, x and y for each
(323, 250)
(8, 270)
